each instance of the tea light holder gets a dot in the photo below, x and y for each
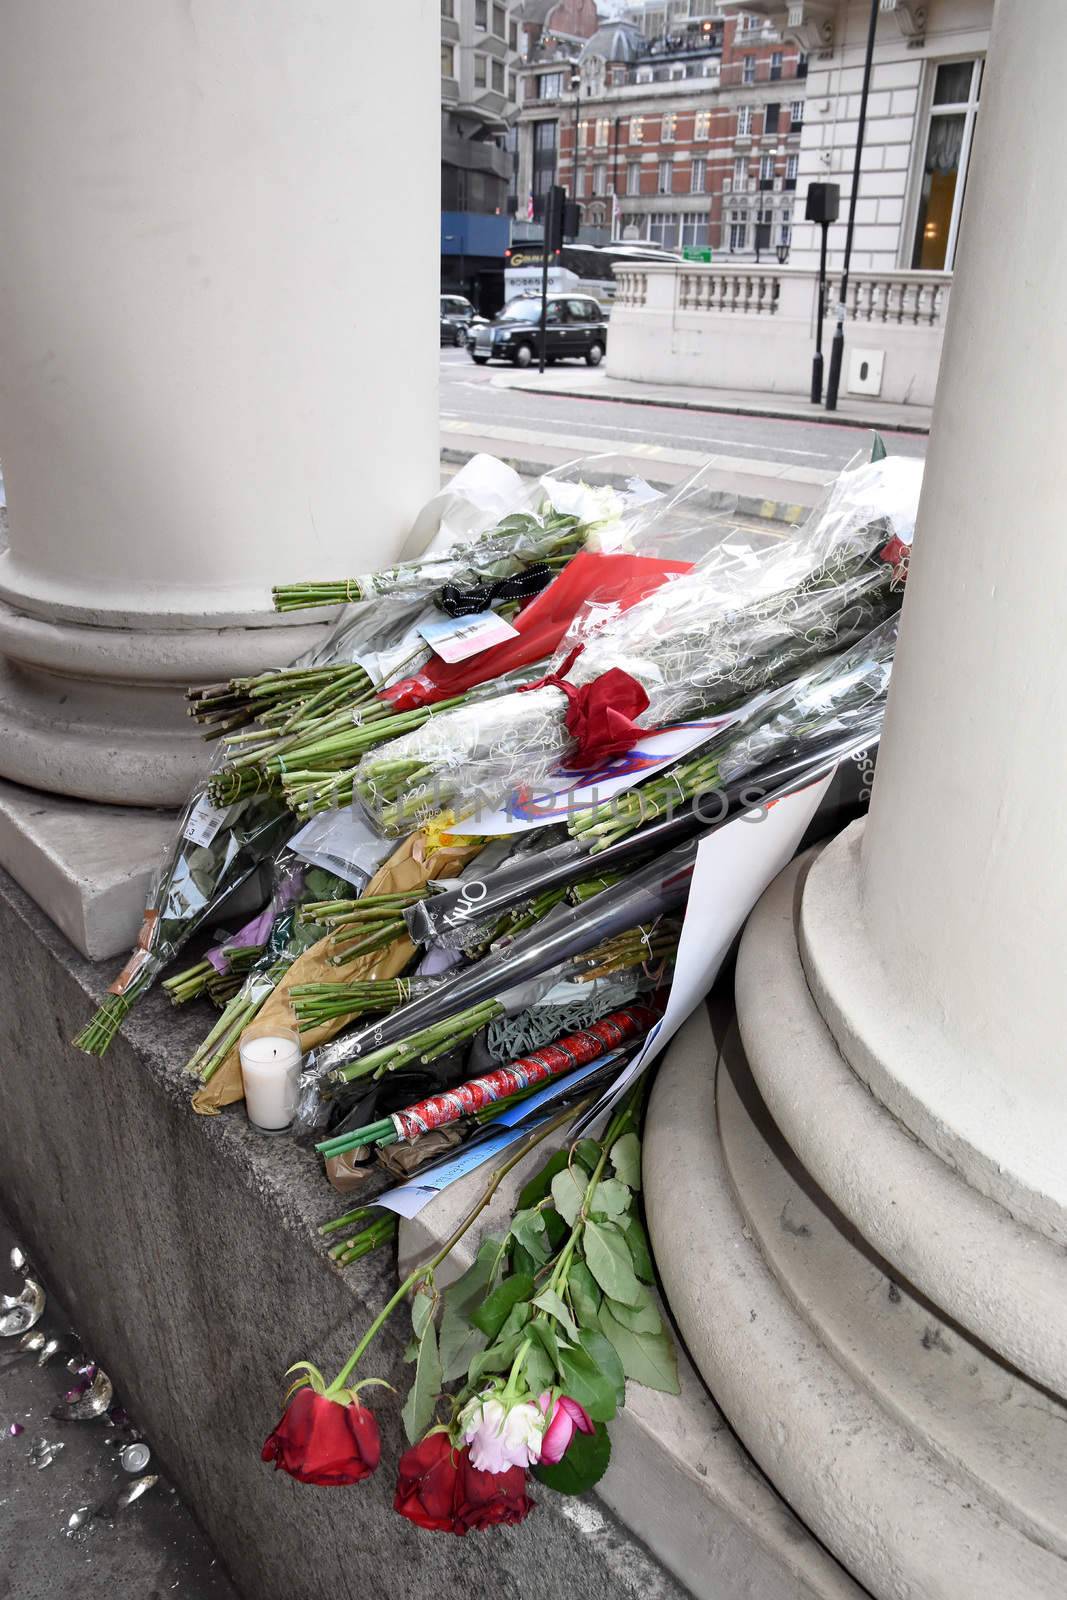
(270, 1068)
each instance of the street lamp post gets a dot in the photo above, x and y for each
(837, 349)
(576, 87)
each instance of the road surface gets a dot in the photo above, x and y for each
(471, 407)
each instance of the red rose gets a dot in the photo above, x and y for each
(438, 1489)
(426, 1484)
(484, 1499)
(324, 1441)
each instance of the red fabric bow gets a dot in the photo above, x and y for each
(599, 714)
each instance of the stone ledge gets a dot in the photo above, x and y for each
(185, 1249)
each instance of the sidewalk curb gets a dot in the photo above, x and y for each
(820, 418)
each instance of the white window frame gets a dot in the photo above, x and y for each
(796, 112)
(600, 179)
(792, 166)
(766, 168)
(748, 69)
(740, 173)
(665, 174)
(636, 130)
(969, 107)
(702, 125)
(667, 127)
(698, 175)
(633, 177)
(744, 122)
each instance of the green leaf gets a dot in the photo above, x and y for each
(642, 1318)
(878, 450)
(626, 1159)
(607, 1255)
(647, 1358)
(584, 1464)
(539, 1370)
(637, 1239)
(548, 1300)
(588, 1152)
(610, 1199)
(585, 1296)
(583, 1380)
(422, 1396)
(540, 1184)
(528, 1231)
(516, 1319)
(492, 1313)
(605, 1358)
(423, 1304)
(544, 1333)
(497, 1358)
(567, 1196)
(459, 1341)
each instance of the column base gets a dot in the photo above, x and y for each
(910, 1444)
(99, 712)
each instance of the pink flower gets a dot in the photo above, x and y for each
(501, 1436)
(563, 1417)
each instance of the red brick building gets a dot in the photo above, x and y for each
(686, 139)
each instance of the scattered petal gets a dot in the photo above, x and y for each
(19, 1260)
(14, 1429)
(77, 1520)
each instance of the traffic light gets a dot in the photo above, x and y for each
(554, 208)
(572, 219)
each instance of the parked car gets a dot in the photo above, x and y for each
(575, 325)
(459, 312)
(452, 332)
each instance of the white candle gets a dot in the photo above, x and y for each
(270, 1067)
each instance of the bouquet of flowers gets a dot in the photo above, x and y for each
(215, 853)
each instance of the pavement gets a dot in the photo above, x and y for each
(150, 1549)
(536, 422)
(594, 383)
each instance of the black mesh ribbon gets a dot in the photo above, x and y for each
(468, 602)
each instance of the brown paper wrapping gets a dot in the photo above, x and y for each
(411, 865)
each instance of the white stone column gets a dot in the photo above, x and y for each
(218, 356)
(877, 1294)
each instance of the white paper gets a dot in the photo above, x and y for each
(564, 794)
(205, 820)
(733, 867)
(458, 638)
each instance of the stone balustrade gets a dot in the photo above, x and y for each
(746, 326)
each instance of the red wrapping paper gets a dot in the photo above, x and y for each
(573, 1050)
(540, 625)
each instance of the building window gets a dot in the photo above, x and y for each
(776, 65)
(637, 130)
(667, 127)
(633, 177)
(695, 229)
(796, 115)
(448, 61)
(544, 156)
(513, 36)
(549, 84)
(479, 72)
(802, 65)
(663, 229)
(698, 174)
(499, 21)
(744, 120)
(603, 129)
(498, 76)
(949, 137)
(481, 14)
(785, 234)
(740, 173)
(770, 117)
(766, 168)
(600, 179)
(665, 184)
(702, 125)
(748, 68)
(448, 8)
(738, 231)
(792, 164)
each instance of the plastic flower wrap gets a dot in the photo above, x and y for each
(748, 617)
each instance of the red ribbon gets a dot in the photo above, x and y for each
(599, 714)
